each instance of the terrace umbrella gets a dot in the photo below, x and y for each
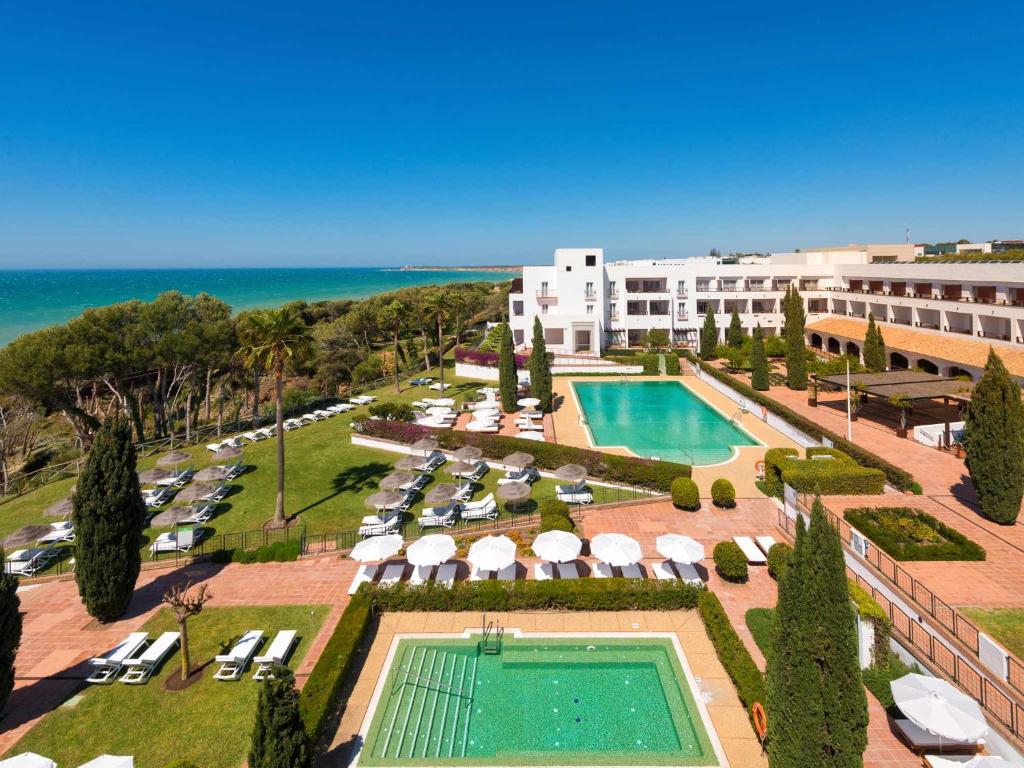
(175, 515)
(615, 549)
(573, 473)
(468, 453)
(384, 499)
(460, 468)
(433, 549)
(680, 549)
(172, 459)
(939, 708)
(408, 462)
(376, 548)
(229, 452)
(395, 480)
(519, 460)
(513, 493)
(110, 761)
(557, 546)
(439, 410)
(27, 534)
(210, 474)
(62, 508)
(536, 437)
(492, 553)
(28, 760)
(426, 444)
(441, 493)
(153, 475)
(528, 402)
(196, 491)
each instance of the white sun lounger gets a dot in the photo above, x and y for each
(528, 475)
(277, 653)
(543, 572)
(601, 571)
(108, 666)
(364, 575)
(416, 484)
(765, 543)
(440, 387)
(180, 540)
(432, 462)
(421, 575)
(392, 575)
(267, 431)
(632, 572)
(750, 550)
(485, 509)
(567, 571)
(508, 573)
(477, 574)
(63, 531)
(463, 492)
(324, 414)
(951, 761)
(689, 574)
(28, 562)
(381, 527)
(479, 426)
(362, 399)
(529, 426)
(445, 575)
(142, 667)
(574, 494)
(234, 662)
(921, 740)
(439, 517)
(663, 571)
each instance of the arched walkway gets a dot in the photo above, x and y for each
(955, 371)
(852, 349)
(816, 341)
(927, 366)
(834, 346)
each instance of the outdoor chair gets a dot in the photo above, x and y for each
(529, 475)
(574, 494)
(508, 573)
(29, 562)
(688, 573)
(234, 662)
(445, 575)
(464, 492)
(439, 517)
(381, 527)
(392, 574)
(276, 653)
(632, 571)
(416, 484)
(63, 531)
(567, 570)
(543, 572)
(432, 462)
(142, 667)
(485, 509)
(107, 667)
(920, 741)
(180, 540)
(750, 550)
(601, 571)
(421, 575)
(664, 571)
(364, 575)
(765, 543)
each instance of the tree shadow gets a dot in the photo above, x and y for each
(358, 479)
(151, 595)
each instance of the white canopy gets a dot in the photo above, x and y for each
(434, 549)
(557, 546)
(28, 760)
(492, 553)
(110, 761)
(615, 549)
(442, 401)
(679, 548)
(528, 402)
(376, 548)
(939, 708)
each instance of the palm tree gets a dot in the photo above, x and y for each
(438, 308)
(391, 320)
(457, 306)
(276, 337)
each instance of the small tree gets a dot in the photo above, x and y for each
(758, 362)
(655, 339)
(734, 335)
(796, 346)
(184, 606)
(874, 347)
(278, 737)
(902, 403)
(540, 367)
(708, 336)
(508, 380)
(10, 632)
(994, 440)
(108, 514)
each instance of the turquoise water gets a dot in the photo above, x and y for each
(540, 702)
(33, 299)
(658, 418)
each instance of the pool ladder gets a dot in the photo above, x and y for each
(490, 645)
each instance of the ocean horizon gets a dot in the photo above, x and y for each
(31, 299)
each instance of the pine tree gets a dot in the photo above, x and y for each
(874, 347)
(994, 439)
(758, 362)
(796, 346)
(540, 368)
(708, 336)
(734, 336)
(108, 515)
(278, 737)
(508, 380)
(10, 632)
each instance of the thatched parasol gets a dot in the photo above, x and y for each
(196, 491)
(229, 452)
(513, 493)
(518, 460)
(27, 534)
(426, 444)
(384, 499)
(408, 462)
(468, 453)
(460, 468)
(395, 480)
(211, 474)
(172, 459)
(441, 493)
(62, 508)
(573, 473)
(175, 515)
(153, 475)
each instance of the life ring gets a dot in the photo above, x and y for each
(760, 720)
(759, 468)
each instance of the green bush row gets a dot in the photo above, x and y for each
(554, 516)
(841, 475)
(733, 654)
(730, 561)
(906, 533)
(278, 552)
(647, 360)
(898, 478)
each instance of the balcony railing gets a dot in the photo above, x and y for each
(929, 326)
(951, 329)
(613, 294)
(589, 295)
(994, 335)
(547, 295)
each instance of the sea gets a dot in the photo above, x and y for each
(34, 299)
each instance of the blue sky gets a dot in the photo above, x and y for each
(238, 134)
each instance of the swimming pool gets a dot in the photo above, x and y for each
(658, 418)
(550, 701)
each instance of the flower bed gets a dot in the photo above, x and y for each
(911, 534)
(478, 357)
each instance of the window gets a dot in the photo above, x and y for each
(590, 309)
(702, 307)
(588, 289)
(517, 308)
(568, 267)
(591, 260)
(703, 285)
(755, 284)
(611, 287)
(543, 289)
(543, 309)
(518, 336)
(681, 287)
(554, 335)
(614, 310)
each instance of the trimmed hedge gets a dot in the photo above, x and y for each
(897, 478)
(906, 533)
(671, 364)
(685, 494)
(723, 494)
(840, 475)
(733, 654)
(647, 360)
(627, 470)
(485, 357)
(278, 552)
(730, 561)
(392, 411)
(778, 559)
(554, 516)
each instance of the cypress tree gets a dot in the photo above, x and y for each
(734, 336)
(796, 347)
(874, 347)
(708, 336)
(10, 632)
(108, 515)
(508, 381)
(278, 737)
(540, 367)
(994, 439)
(758, 362)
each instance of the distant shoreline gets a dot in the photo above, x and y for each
(460, 269)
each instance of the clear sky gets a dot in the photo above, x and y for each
(336, 133)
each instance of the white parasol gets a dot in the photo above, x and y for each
(615, 549)
(939, 708)
(492, 553)
(557, 546)
(680, 549)
(376, 548)
(433, 549)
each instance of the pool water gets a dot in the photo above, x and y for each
(539, 702)
(658, 418)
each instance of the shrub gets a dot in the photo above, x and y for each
(911, 534)
(778, 560)
(723, 494)
(759, 621)
(731, 651)
(672, 364)
(278, 737)
(869, 610)
(730, 561)
(773, 461)
(392, 411)
(278, 552)
(842, 475)
(685, 494)
(647, 360)
(486, 358)
(554, 516)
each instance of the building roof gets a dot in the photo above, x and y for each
(914, 385)
(952, 347)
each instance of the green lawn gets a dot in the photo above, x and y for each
(759, 622)
(208, 723)
(1006, 625)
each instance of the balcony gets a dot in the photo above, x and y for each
(589, 295)
(684, 294)
(547, 297)
(993, 335)
(613, 293)
(682, 317)
(929, 326)
(953, 329)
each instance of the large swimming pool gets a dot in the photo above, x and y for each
(571, 701)
(658, 418)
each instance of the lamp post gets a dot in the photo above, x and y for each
(849, 411)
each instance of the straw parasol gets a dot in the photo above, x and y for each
(196, 491)
(939, 708)
(557, 546)
(680, 549)
(615, 549)
(376, 548)
(408, 462)
(229, 452)
(384, 499)
(175, 515)
(172, 459)
(492, 553)
(211, 474)
(468, 453)
(460, 468)
(395, 480)
(519, 460)
(513, 493)
(441, 493)
(573, 473)
(62, 508)
(426, 444)
(27, 534)
(153, 475)
(433, 549)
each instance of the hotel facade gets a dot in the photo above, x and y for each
(940, 317)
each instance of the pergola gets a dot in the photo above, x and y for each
(905, 385)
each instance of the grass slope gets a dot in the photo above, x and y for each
(1006, 625)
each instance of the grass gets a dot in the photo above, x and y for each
(208, 723)
(878, 677)
(759, 622)
(1006, 625)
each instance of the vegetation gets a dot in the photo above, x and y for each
(878, 678)
(969, 257)
(540, 368)
(994, 440)
(911, 534)
(730, 561)
(656, 339)
(869, 610)
(734, 334)
(778, 560)
(554, 516)
(723, 494)
(732, 653)
(277, 552)
(391, 411)
(685, 494)
(796, 346)
(840, 475)
(185, 606)
(278, 737)
(708, 337)
(760, 622)
(759, 362)
(1004, 624)
(874, 347)
(508, 379)
(108, 515)
(10, 633)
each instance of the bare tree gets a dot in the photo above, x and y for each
(185, 606)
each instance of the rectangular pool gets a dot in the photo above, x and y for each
(658, 418)
(564, 701)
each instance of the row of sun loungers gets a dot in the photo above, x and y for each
(31, 560)
(445, 517)
(756, 553)
(574, 494)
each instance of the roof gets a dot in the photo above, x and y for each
(953, 347)
(914, 385)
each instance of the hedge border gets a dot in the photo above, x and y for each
(959, 548)
(829, 478)
(732, 652)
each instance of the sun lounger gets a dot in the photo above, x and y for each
(417, 484)
(529, 426)
(528, 476)
(508, 573)
(439, 517)
(28, 562)
(392, 575)
(950, 761)
(108, 666)
(63, 531)
(177, 481)
(364, 575)
(765, 543)
(362, 399)
(440, 387)
(920, 741)
(574, 494)
(312, 418)
(324, 414)
(476, 574)
(750, 550)
(479, 426)
(290, 424)
(432, 462)
(664, 572)
(181, 540)
(464, 492)
(140, 668)
(158, 497)
(231, 471)
(380, 527)
(688, 573)
(341, 407)
(632, 572)
(275, 654)
(601, 571)
(421, 575)
(543, 572)
(480, 469)
(268, 431)
(567, 571)
(234, 662)
(213, 447)
(445, 575)
(485, 509)
(254, 437)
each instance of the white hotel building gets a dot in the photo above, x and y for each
(941, 317)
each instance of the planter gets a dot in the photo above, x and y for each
(853, 417)
(901, 432)
(812, 401)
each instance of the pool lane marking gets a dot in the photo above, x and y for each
(469, 706)
(447, 702)
(423, 705)
(455, 725)
(412, 702)
(398, 704)
(437, 694)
